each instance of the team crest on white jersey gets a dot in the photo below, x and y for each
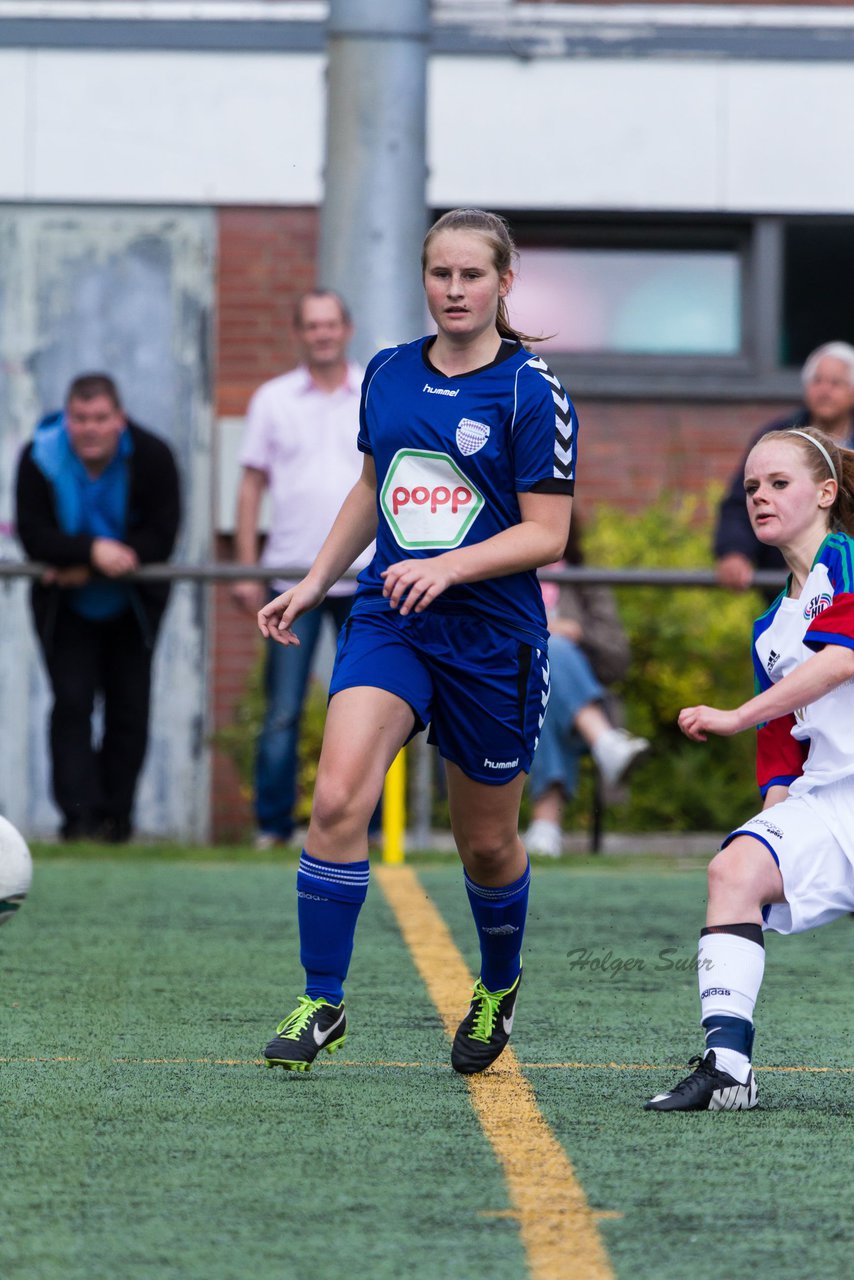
(817, 605)
(471, 436)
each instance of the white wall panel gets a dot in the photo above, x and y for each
(576, 134)
(789, 143)
(165, 126)
(247, 128)
(14, 104)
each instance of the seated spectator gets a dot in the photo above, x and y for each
(588, 651)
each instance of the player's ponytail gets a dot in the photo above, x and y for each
(826, 458)
(496, 232)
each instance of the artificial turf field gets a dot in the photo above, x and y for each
(142, 1138)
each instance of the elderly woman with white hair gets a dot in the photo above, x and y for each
(828, 382)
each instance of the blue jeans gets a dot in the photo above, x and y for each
(285, 682)
(573, 686)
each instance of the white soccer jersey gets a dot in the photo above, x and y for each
(815, 744)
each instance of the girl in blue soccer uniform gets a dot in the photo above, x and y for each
(791, 867)
(469, 466)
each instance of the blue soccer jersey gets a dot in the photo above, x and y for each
(451, 455)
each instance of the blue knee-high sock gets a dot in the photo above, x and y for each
(329, 898)
(499, 915)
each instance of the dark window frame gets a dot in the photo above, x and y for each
(754, 373)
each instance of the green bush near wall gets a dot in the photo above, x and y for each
(689, 646)
(237, 740)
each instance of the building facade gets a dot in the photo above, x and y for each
(677, 177)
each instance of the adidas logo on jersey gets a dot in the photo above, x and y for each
(773, 659)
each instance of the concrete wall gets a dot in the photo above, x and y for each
(128, 292)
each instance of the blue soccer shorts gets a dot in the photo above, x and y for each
(482, 692)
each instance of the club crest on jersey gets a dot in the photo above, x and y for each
(471, 436)
(817, 605)
(428, 501)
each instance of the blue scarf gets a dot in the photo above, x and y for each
(93, 506)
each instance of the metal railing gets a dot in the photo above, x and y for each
(421, 791)
(583, 574)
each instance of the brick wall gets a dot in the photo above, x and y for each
(265, 261)
(630, 451)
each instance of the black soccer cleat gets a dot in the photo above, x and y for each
(485, 1029)
(313, 1025)
(707, 1089)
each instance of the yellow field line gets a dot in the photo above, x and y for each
(380, 1062)
(555, 1221)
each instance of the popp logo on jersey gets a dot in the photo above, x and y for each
(428, 501)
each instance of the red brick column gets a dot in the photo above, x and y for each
(266, 259)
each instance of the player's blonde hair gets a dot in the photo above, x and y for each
(814, 445)
(495, 230)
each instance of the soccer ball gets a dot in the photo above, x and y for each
(16, 870)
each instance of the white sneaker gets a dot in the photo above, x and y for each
(544, 838)
(615, 753)
(267, 840)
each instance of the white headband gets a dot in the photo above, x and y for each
(821, 449)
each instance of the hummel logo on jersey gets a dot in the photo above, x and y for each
(499, 764)
(471, 436)
(440, 391)
(500, 929)
(320, 1037)
(773, 659)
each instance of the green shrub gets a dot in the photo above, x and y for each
(237, 740)
(689, 646)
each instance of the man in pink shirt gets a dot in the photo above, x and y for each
(300, 443)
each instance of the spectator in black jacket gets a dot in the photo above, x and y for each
(828, 382)
(97, 495)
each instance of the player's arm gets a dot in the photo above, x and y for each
(820, 674)
(355, 527)
(539, 538)
(774, 795)
(248, 594)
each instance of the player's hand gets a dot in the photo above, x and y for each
(569, 628)
(113, 558)
(248, 596)
(697, 722)
(734, 571)
(75, 575)
(276, 619)
(411, 585)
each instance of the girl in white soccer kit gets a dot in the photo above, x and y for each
(791, 867)
(470, 445)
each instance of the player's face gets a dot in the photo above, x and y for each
(94, 427)
(829, 395)
(323, 332)
(462, 284)
(785, 502)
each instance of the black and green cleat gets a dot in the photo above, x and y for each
(485, 1029)
(313, 1025)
